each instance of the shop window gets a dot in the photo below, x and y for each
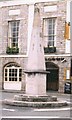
(12, 73)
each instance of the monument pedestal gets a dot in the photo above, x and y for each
(36, 84)
(24, 100)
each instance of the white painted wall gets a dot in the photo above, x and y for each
(12, 85)
(50, 8)
(14, 12)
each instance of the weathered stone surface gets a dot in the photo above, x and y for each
(35, 104)
(37, 98)
(36, 83)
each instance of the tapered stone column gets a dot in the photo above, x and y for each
(36, 76)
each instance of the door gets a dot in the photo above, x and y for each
(52, 78)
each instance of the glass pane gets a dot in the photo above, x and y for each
(5, 78)
(9, 79)
(13, 44)
(49, 43)
(53, 20)
(15, 70)
(14, 29)
(9, 74)
(50, 32)
(9, 70)
(15, 79)
(50, 26)
(6, 74)
(5, 70)
(13, 40)
(19, 79)
(53, 31)
(14, 23)
(12, 70)
(12, 79)
(50, 21)
(20, 70)
(17, 28)
(50, 38)
(53, 38)
(14, 34)
(20, 74)
(15, 74)
(53, 26)
(12, 74)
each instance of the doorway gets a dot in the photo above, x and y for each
(52, 78)
(12, 77)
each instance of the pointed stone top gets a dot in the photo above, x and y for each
(36, 9)
(36, 17)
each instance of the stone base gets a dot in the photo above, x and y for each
(35, 98)
(35, 101)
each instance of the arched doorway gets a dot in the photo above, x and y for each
(52, 78)
(12, 76)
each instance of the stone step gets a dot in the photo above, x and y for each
(35, 98)
(35, 104)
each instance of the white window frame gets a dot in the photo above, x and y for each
(10, 31)
(45, 31)
(13, 67)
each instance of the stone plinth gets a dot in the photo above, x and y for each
(35, 101)
(39, 98)
(36, 84)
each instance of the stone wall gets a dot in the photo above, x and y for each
(60, 16)
(22, 62)
(62, 66)
(23, 17)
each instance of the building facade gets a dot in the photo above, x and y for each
(15, 34)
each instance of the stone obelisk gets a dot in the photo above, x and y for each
(36, 77)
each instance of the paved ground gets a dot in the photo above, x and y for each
(60, 96)
(13, 111)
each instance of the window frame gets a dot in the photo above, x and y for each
(45, 31)
(18, 77)
(11, 32)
